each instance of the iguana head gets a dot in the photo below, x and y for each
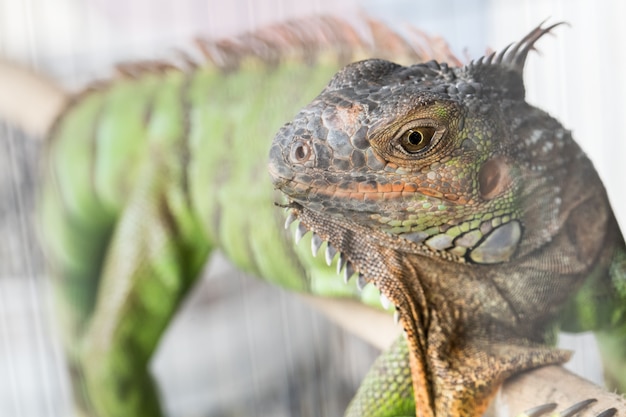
(433, 154)
(450, 193)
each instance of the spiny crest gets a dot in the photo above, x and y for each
(502, 72)
(514, 55)
(305, 40)
(308, 38)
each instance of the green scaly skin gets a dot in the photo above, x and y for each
(474, 213)
(388, 388)
(145, 177)
(153, 220)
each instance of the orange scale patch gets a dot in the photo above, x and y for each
(372, 196)
(343, 194)
(397, 187)
(430, 192)
(364, 187)
(392, 195)
(410, 187)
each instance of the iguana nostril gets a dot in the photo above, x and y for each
(300, 152)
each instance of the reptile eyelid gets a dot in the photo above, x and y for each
(440, 131)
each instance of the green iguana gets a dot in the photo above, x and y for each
(150, 172)
(473, 212)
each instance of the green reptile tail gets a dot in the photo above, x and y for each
(387, 390)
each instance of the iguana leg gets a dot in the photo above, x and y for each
(387, 390)
(150, 265)
(600, 306)
(612, 339)
(612, 347)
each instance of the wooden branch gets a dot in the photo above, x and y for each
(31, 101)
(555, 384)
(550, 384)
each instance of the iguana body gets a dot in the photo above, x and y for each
(151, 172)
(476, 214)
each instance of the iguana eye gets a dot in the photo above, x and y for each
(416, 139)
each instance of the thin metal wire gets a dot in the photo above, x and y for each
(6, 325)
(34, 300)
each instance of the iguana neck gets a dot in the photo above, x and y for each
(442, 307)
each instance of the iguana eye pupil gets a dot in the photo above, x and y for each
(415, 140)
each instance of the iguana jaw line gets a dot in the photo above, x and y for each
(345, 266)
(368, 253)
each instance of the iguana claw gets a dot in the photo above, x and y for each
(569, 412)
(576, 408)
(539, 410)
(608, 412)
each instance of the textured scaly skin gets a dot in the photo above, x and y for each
(475, 213)
(155, 198)
(150, 172)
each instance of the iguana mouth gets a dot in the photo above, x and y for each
(350, 240)
(376, 257)
(371, 255)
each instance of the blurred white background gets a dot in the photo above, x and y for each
(577, 77)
